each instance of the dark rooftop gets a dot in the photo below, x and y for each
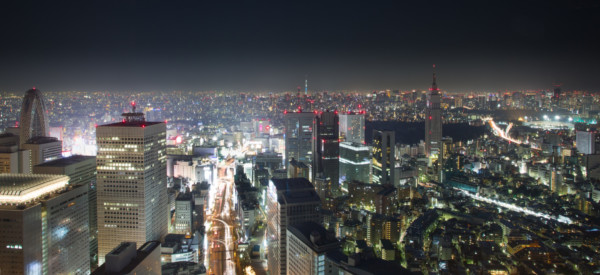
(65, 161)
(41, 140)
(142, 253)
(321, 239)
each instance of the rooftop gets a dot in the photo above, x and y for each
(130, 124)
(62, 162)
(314, 236)
(295, 190)
(23, 188)
(136, 259)
(42, 140)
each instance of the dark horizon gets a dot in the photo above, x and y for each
(191, 46)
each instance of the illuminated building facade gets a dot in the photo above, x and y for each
(290, 202)
(132, 188)
(384, 157)
(43, 149)
(326, 147)
(586, 142)
(352, 127)
(12, 159)
(81, 170)
(433, 121)
(34, 118)
(298, 137)
(355, 164)
(307, 244)
(44, 225)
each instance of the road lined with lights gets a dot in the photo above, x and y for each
(516, 208)
(220, 256)
(499, 132)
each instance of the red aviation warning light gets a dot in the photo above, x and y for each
(178, 139)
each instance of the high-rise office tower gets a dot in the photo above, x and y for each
(289, 202)
(586, 142)
(307, 244)
(43, 149)
(13, 159)
(384, 157)
(34, 119)
(326, 147)
(44, 225)
(352, 127)
(132, 187)
(184, 213)
(298, 137)
(433, 121)
(81, 171)
(354, 162)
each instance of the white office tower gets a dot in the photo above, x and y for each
(586, 142)
(290, 202)
(307, 244)
(131, 182)
(352, 127)
(43, 225)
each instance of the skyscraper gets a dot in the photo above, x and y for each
(326, 147)
(298, 137)
(81, 170)
(290, 202)
(384, 157)
(43, 149)
(34, 118)
(586, 142)
(354, 162)
(352, 127)
(44, 225)
(307, 245)
(433, 121)
(12, 158)
(132, 188)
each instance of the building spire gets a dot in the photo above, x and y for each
(306, 85)
(434, 86)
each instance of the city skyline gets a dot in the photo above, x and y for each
(151, 46)
(145, 137)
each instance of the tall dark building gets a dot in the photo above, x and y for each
(384, 157)
(326, 147)
(433, 121)
(298, 137)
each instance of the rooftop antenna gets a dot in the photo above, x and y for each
(434, 86)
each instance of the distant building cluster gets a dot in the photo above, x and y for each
(387, 182)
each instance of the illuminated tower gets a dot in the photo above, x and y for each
(131, 182)
(433, 121)
(306, 85)
(34, 119)
(352, 127)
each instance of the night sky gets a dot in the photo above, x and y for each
(271, 46)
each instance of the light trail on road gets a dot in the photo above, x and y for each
(499, 132)
(516, 208)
